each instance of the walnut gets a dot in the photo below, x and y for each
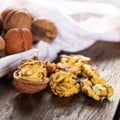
(15, 17)
(2, 46)
(18, 40)
(74, 58)
(30, 77)
(64, 84)
(1, 24)
(72, 63)
(43, 29)
(11, 8)
(97, 91)
(51, 67)
(92, 74)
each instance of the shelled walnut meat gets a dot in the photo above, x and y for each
(64, 84)
(72, 63)
(18, 40)
(43, 29)
(96, 91)
(31, 76)
(16, 17)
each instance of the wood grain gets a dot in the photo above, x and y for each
(46, 106)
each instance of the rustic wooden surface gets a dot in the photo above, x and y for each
(46, 106)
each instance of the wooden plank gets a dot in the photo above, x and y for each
(46, 106)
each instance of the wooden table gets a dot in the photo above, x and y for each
(46, 106)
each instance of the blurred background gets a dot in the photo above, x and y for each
(114, 2)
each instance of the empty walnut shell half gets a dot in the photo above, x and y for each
(43, 29)
(31, 77)
(18, 40)
(14, 18)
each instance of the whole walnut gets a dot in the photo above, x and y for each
(18, 40)
(1, 24)
(43, 29)
(11, 8)
(16, 17)
(2, 46)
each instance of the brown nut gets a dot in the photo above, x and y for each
(14, 18)
(50, 67)
(18, 40)
(43, 29)
(2, 46)
(11, 8)
(28, 87)
(1, 24)
(31, 77)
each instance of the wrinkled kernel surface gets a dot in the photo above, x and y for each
(32, 70)
(92, 74)
(72, 63)
(96, 91)
(64, 84)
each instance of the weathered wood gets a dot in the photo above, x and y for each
(46, 106)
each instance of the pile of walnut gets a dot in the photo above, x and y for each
(19, 30)
(34, 75)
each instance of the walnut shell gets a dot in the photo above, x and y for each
(43, 29)
(50, 67)
(17, 18)
(2, 46)
(28, 87)
(11, 8)
(1, 24)
(31, 76)
(18, 40)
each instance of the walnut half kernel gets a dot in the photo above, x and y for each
(64, 84)
(72, 63)
(97, 91)
(31, 76)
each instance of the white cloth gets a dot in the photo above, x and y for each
(96, 22)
